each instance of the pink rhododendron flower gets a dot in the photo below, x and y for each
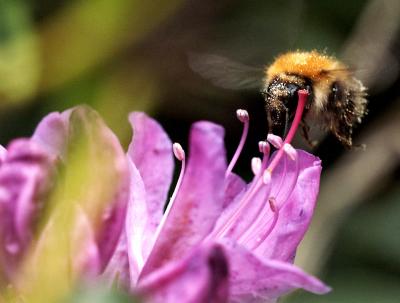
(217, 239)
(257, 226)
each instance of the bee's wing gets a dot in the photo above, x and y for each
(226, 73)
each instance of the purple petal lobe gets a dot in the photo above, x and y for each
(200, 277)
(296, 213)
(25, 181)
(136, 222)
(253, 279)
(117, 272)
(239, 216)
(52, 132)
(234, 185)
(151, 152)
(199, 201)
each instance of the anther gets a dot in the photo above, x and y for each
(266, 176)
(276, 141)
(178, 151)
(264, 147)
(290, 151)
(242, 115)
(256, 165)
(272, 205)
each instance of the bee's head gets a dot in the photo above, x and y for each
(280, 96)
(283, 91)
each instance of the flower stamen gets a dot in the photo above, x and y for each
(256, 165)
(243, 117)
(179, 153)
(264, 148)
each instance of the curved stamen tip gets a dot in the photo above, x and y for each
(242, 115)
(290, 151)
(256, 165)
(275, 140)
(178, 151)
(264, 147)
(266, 176)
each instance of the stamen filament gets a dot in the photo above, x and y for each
(261, 228)
(287, 184)
(303, 95)
(275, 210)
(265, 149)
(243, 117)
(180, 155)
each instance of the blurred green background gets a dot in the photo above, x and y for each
(125, 55)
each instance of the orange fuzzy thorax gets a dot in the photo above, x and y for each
(308, 64)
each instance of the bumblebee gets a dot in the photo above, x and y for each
(336, 99)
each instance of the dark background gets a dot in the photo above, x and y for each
(122, 55)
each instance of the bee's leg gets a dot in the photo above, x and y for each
(305, 129)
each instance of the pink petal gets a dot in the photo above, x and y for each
(136, 223)
(295, 215)
(52, 132)
(199, 201)
(117, 272)
(253, 279)
(25, 181)
(234, 185)
(151, 152)
(200, 277)
(235, 229)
